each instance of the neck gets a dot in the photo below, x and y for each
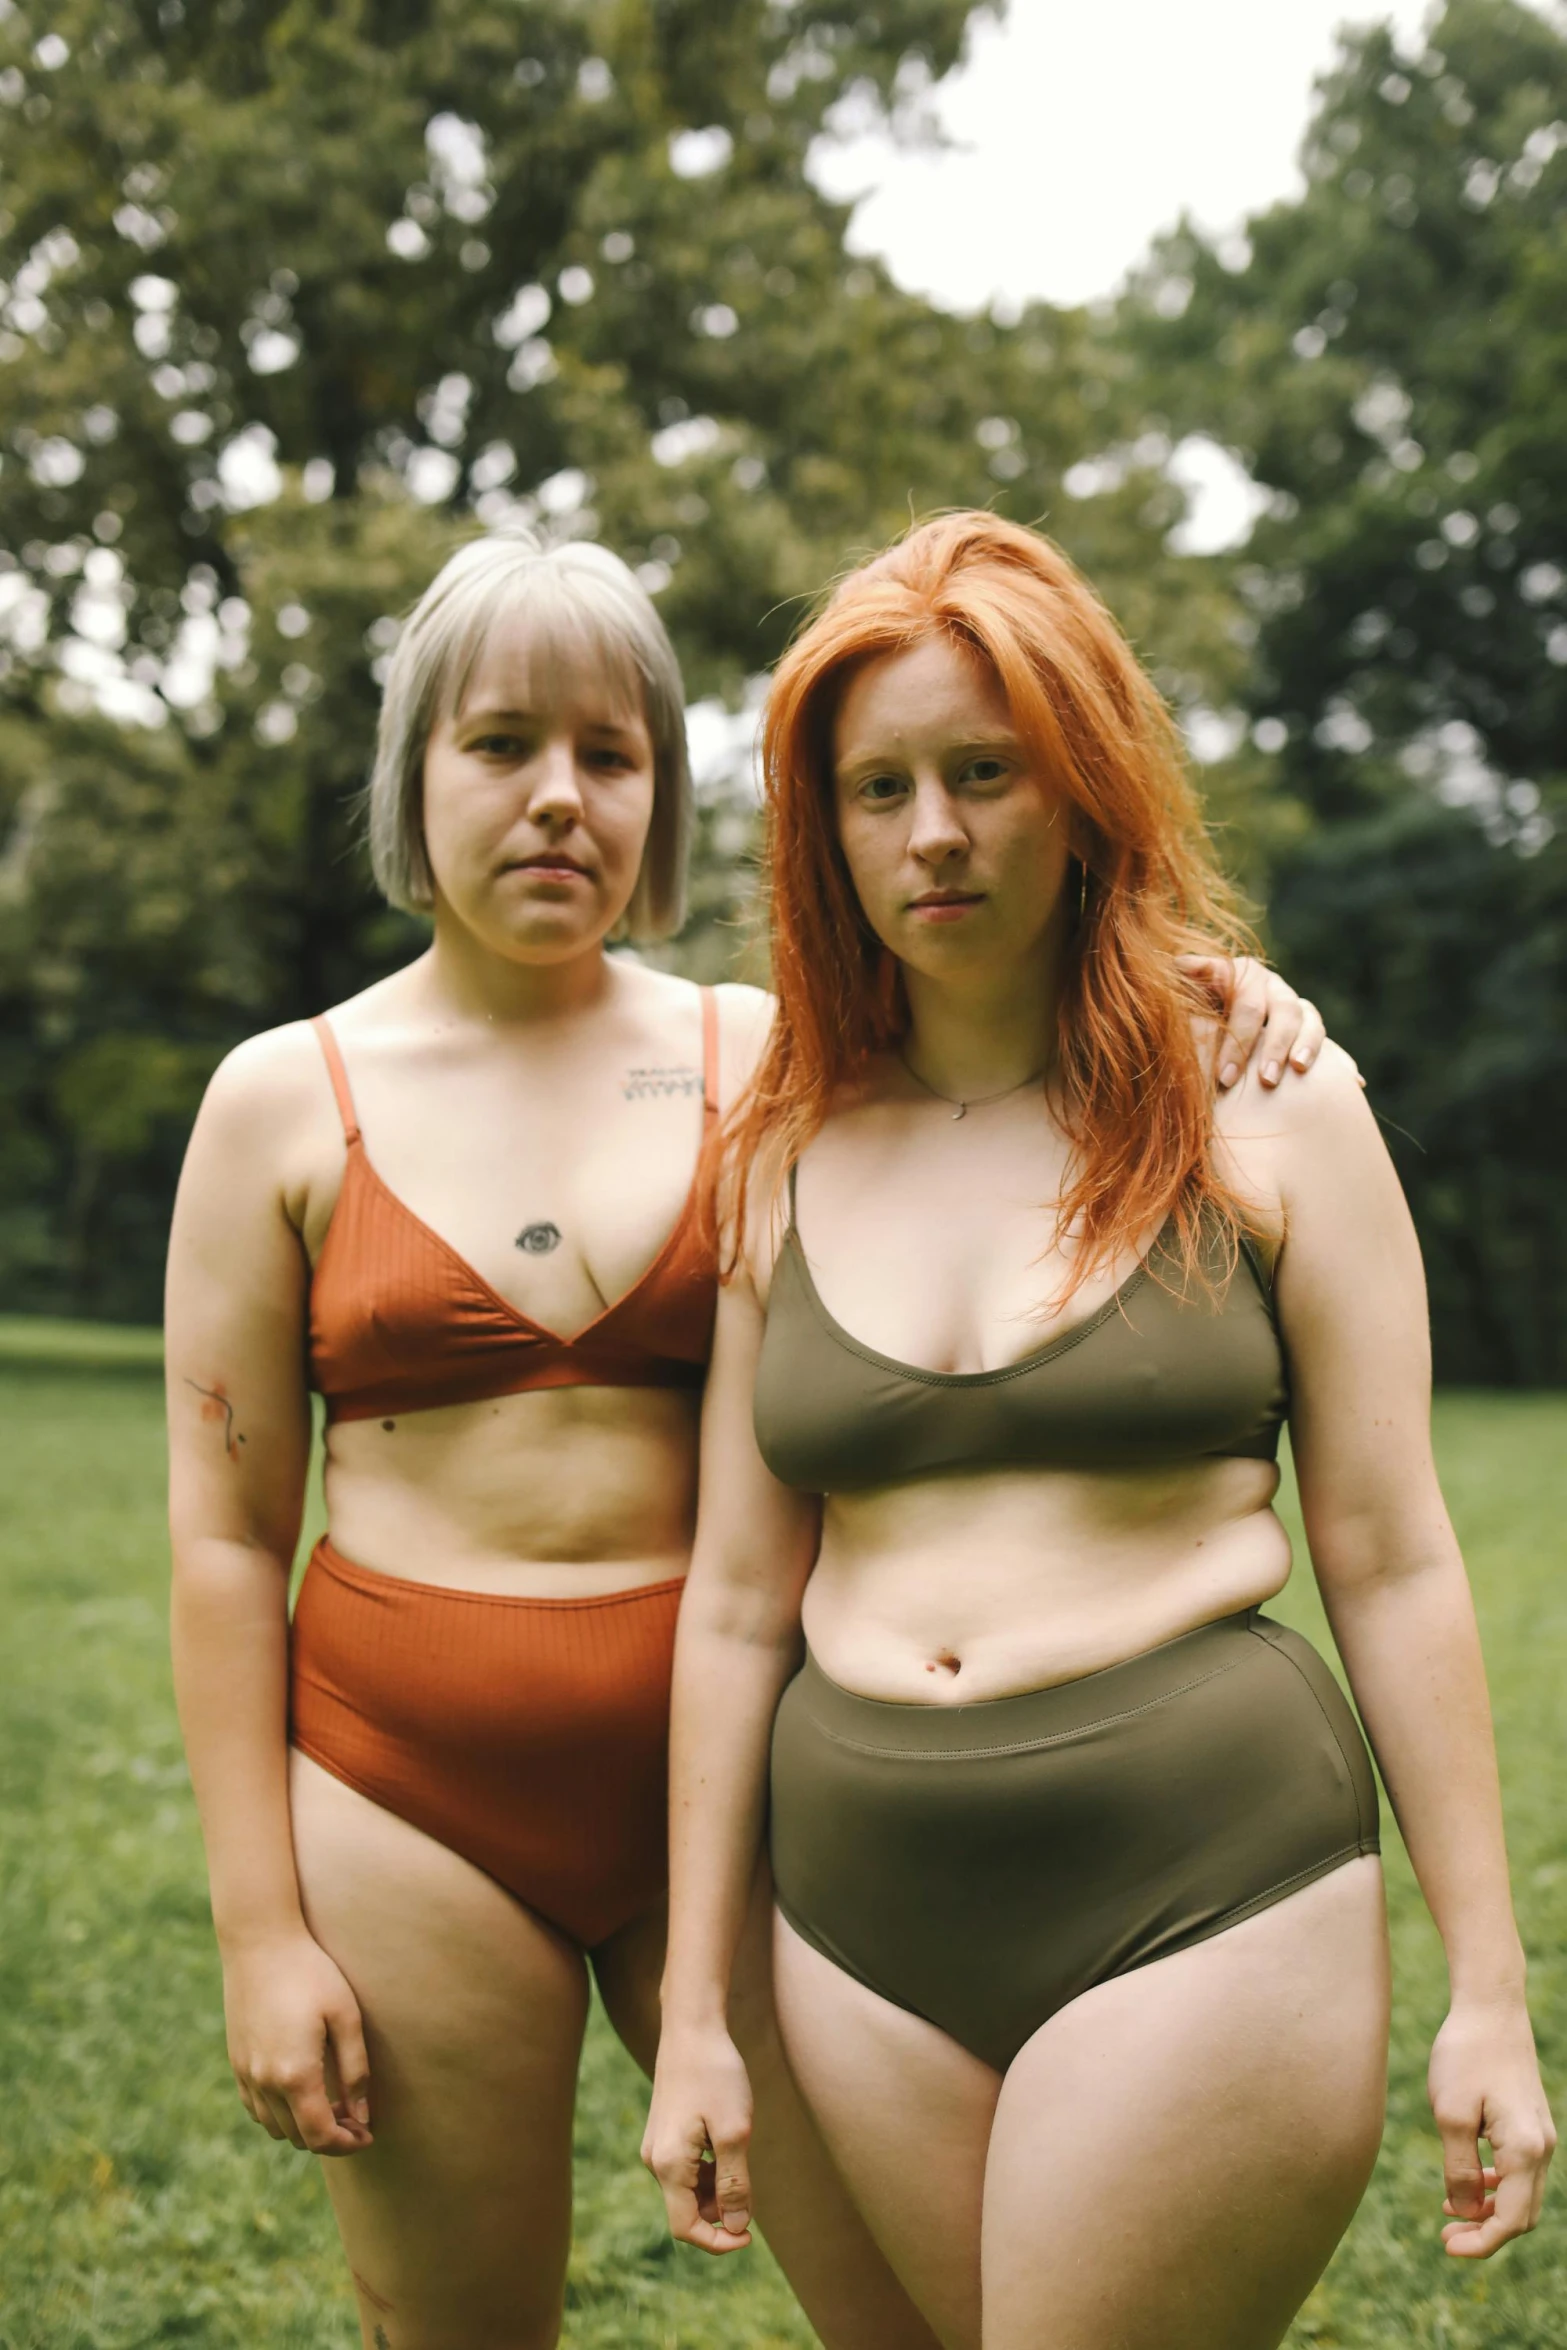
(985, 1032)
(468, 980)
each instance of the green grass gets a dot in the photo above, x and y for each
(35, 1340)
(138, 2206)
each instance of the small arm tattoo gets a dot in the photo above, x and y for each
(536, 1240)
(649, 1085)
(216, 1406)
(381, 2342)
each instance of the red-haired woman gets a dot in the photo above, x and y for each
(1081, 1957)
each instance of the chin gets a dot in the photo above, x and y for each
(544, 934)
(556, 946)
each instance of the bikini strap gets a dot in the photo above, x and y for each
(709, 1058)
(339, 1076)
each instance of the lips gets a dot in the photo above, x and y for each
(548, 867)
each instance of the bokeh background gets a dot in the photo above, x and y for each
(1263, 317)
(295, 294)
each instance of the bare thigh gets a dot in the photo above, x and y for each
(906, 2114)
(457, 2222)
(839, 2274)
(1170, 2159)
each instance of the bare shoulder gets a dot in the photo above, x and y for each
(270, 1076)
(281, 1077)
(1325, 1101)
(745, 1017)
(268, 1117)
(1274, 1145)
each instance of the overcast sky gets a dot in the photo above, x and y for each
(1086, 126)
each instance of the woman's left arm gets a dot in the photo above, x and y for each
(1352, 1306)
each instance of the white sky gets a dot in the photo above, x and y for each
(1085, 127)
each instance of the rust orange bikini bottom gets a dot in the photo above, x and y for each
(528, 1735)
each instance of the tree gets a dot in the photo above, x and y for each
(1386, 356)
(296, 296)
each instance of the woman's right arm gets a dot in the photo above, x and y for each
(239, 1445)
(738, 1643)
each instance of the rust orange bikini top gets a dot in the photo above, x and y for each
(399, 1322)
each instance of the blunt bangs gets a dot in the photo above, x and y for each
(576, 601)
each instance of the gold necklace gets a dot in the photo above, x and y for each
(978, 1101)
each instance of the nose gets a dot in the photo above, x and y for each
(936, 831)
(554, 792)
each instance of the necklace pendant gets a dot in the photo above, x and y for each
(960, 1112)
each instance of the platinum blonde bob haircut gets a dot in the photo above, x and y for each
(576, 599)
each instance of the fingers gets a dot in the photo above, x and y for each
(732, 2182)
(1513, 2213)
(707, 2195)
(1488, 2176)
(280, 2122)
(292, 2103)
(1267, 1020)
(1310, 1035)
(350, 2057)
(1462, 2169)
(1248, 1014)
(1491, 2206)
(257, 2108)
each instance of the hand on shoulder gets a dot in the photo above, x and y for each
(1324, 1096)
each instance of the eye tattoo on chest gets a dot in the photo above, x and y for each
(536, 1240)
(656, 1085)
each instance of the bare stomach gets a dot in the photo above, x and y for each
(967, 1588)
(560, 1495)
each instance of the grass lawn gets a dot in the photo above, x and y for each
(138, 2205)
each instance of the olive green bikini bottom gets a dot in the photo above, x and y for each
(981, 1865)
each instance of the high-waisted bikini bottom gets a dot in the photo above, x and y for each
(983, 1864)
(529, 1735)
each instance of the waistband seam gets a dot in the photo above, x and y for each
(349, 1572)
(1019, 1745)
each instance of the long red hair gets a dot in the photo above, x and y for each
(1135, 1087)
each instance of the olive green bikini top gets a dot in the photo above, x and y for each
(1155, 1375)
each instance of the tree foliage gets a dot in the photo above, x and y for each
(296, 296)
(293, 297)
(1388, 356)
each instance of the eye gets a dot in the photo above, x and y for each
(605, 756)
(498, 746)
(880, 790)
(988, 769)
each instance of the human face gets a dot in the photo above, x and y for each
(956, 844)
(538, 793)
